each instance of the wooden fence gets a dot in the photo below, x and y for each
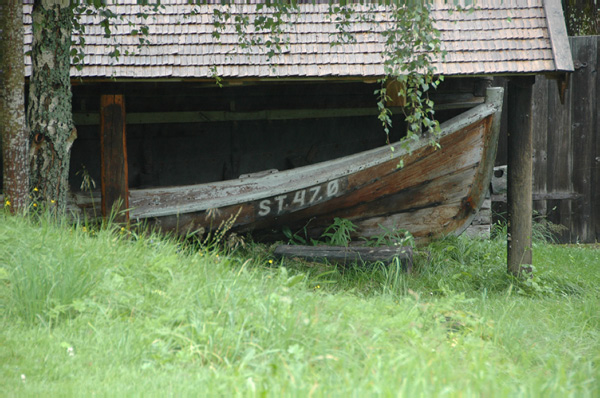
(566, 143)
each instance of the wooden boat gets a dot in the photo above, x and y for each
(436, 193)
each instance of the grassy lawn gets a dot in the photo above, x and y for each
(108, 313)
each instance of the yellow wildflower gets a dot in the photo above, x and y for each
(35, 205)
(270, 261)
(7, 203)
(53, 201)
(35, 189)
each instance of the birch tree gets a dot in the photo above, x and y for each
(49, 110)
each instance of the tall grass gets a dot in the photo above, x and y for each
(124, 315)
(47, 271)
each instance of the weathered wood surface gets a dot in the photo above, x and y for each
(540, 144)
(558, 35)
(596, 154)
(393, 90)
(481, 226)
(547, 196)
(583, 136)
(568, 178)
(115, 194)
(560, 155)
(520, 139)
(436, 193)
(348, 255)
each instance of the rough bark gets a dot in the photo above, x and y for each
(49, 110)
(12, 107)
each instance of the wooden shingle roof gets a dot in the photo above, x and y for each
(499, 37)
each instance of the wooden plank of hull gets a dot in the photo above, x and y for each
(436, 193)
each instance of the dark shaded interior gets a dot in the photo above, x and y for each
(167, 152)
(256, 126)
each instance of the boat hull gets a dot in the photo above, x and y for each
(437, 191)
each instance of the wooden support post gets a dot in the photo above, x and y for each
(114, 156)
(520, 106)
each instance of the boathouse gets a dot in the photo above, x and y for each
(174, 125)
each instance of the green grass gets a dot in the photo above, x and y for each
(108, 313)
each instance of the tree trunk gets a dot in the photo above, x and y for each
(49, 110)
(12, 108)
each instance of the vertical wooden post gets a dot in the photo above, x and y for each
(114, 156)
(520, 203)
(596, 159)
(583, 136)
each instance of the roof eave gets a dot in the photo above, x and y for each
(559, 40)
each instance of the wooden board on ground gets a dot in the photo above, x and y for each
(349, 255)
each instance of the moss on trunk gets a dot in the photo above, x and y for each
(49, 110)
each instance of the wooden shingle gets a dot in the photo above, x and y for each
(512, 36)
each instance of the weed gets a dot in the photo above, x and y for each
(295, 238)
(88, 185)
(339, 233)
(391, 237)
(219, 238)
(542, 229)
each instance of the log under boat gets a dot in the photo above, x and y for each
(437, 191)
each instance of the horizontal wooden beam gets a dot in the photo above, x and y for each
(87, 119)
(501, 197)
